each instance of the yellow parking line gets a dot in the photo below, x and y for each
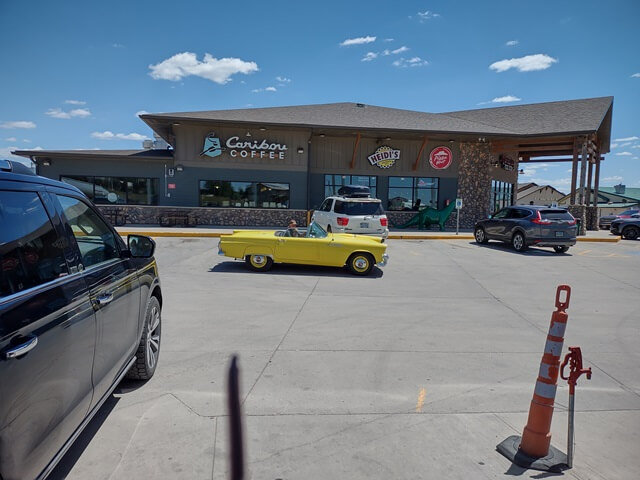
(421, 397)
(583, 252)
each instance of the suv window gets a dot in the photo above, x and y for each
(96, 241)
(555, 215)
(358, 208)
(30, 250)
(326, 205)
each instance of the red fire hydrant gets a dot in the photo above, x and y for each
(574, 359)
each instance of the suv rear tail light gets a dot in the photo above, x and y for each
(539, 221)
(383, 221)
(572, 221)
(342, 221)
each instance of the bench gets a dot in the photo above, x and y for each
(173, 218)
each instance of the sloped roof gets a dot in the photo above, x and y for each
(629, 192)
(552, 118)
(125, 154)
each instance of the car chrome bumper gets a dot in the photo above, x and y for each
(385, 259)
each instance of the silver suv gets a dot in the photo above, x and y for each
(352, 211)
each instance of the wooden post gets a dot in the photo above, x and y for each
(583, 171)
(589, 178)
(574, 173)
(355, 151)
(424, 143)
(596, 184)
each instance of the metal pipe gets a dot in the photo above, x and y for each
(570, 433)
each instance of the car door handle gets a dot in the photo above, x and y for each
(104, 298)
(29, 345)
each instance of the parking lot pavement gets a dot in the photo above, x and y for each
(418, 371)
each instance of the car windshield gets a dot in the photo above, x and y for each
(358, 208)
(315, 231)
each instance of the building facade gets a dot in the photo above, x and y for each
(260, 167)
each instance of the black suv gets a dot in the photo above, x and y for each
(79, 311)
(523, 227)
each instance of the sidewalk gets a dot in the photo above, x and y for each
(395, 234)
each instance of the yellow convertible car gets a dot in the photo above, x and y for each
(261, 248)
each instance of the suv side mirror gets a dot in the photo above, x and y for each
(141, 246)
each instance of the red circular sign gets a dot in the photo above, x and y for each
(440, 158)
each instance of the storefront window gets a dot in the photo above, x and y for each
(412, 193)
(501, 195)
(332, 183)
(116, 190)
(219, 193)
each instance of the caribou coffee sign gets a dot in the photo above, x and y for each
(243, 149)
(384, 157)
(440, 158)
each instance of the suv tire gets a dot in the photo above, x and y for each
(149, 346)
(518, 242)
(631, 232)
(480, 235)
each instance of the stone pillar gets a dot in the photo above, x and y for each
(474, 182)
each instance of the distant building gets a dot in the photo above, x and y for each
(611, 200)
(534, 194)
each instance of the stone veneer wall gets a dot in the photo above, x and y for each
(240, 217)
(588, 217)
(474, 183)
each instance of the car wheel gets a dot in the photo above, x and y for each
(561, 248)
(328, 228)
(149, 346)
(481, 236)
(518, 242)
(258, 263)
(360, 263)
(631, 233)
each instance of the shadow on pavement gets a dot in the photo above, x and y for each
(288, 269)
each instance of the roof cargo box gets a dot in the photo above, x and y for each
(354, 191)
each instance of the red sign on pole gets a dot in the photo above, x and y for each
(440, 158)
(171, 186)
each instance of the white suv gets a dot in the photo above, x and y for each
(352, 214)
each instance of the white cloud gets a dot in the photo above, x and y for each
(11, 139)
(613, 179)
(388, 39)
(427, 15)
(627, 139)
(75, 102)
(283, 80)
(141, 112)
(266, 89)
(506, 99)
(18, 124)
(358, 41)
(26, 140)
(117, 45)
(512, 43)
(636, 75)
(635, 146)
(528, 63)
(107, 135)
(624, 154)
(186, 64)
(59, 113)
(613, 145)
(369, 56)
(396, 51)
(411, 62)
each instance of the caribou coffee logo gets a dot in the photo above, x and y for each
(244, 149)
(384, 157)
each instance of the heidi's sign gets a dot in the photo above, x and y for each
(384, 157)
(440, 158)
(244, 149)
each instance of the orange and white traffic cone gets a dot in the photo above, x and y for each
(533, 450)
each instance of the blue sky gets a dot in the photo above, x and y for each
(77, 73)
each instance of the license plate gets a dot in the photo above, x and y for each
(559, 234)
(364, 225)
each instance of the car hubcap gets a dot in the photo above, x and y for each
(153, 337)
(361, 263)
(479, 235)
(258, 260)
